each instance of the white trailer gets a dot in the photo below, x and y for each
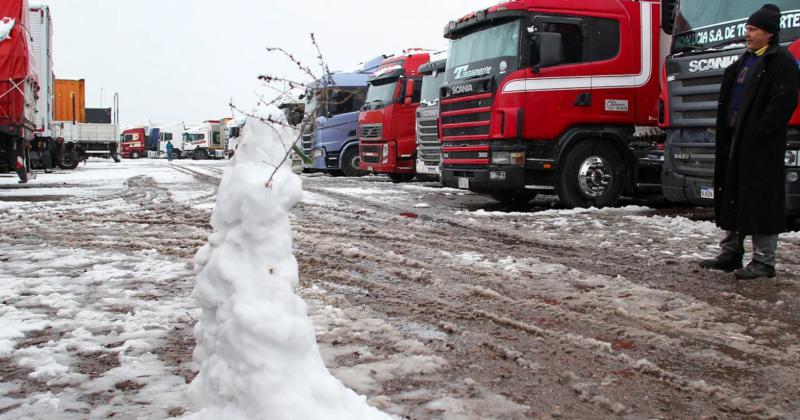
(45, 152)
(204, 141)
(41, 30)
(98, 140)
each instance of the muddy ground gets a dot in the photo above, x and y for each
(511, 312)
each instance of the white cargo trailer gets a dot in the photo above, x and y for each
(98, 140)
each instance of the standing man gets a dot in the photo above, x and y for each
(758, 97)
(169, 150)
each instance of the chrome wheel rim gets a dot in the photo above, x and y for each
(595, 177)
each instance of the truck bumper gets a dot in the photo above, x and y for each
(680, 188)
(324, 161)
(491, 179)
(424, 169)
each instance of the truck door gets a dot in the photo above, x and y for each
(557, 96)
(614, 50)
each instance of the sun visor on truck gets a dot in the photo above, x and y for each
(433, 66)
(479, 19)
(388, 73)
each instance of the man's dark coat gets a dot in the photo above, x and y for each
(750, 195)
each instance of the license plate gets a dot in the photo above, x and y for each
(463, 183)
(707, 192)
(432, 170)
(369, 168)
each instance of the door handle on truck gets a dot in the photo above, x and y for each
(584, 100)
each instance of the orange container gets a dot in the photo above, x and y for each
(70, 100)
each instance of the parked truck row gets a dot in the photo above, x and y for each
(212, 139)
(587, 101)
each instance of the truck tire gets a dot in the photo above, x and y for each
(514, 197)
(350, 161)
(135, 155)
(69, 159)
(399, 178)
(200, 154)
(176, 154)
(590, 175)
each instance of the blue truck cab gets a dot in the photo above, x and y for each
(332, 107)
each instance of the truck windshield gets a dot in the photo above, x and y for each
(345, 100)
(193, 137)
(484, 45)
(701, 24)
(382, 91)
(430, 88)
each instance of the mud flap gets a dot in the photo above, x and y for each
(22, 170)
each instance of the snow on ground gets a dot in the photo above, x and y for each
(96, 314)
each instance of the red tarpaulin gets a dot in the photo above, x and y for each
(16, 66)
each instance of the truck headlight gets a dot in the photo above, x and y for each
(385, 151)
(508, 158)
(791, 158)
(317, 153)
(500, 158)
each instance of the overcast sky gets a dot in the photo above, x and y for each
(183, 60)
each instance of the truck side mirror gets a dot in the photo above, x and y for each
(409, 99)
(668, 15)
(549, 46)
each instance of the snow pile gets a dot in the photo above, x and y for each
(256, 346)
(6, 25)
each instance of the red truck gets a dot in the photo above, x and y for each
(18, 89)
(386, 124)
(553, 96)
(134, 143)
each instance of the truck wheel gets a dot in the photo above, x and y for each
(398, 178)
(134, 155)
(199, 154)
(350, 161)
(176, 154)
(514, 197)
(69, 160)
(591, 175)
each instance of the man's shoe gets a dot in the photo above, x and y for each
(755, 270)
(726, 262)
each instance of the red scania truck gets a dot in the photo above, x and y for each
(553, 96)
(386, 124)
(18, 89)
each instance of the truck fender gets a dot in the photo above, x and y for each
(614, 136)
(348, 144)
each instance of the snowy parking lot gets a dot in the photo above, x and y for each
(431, 302)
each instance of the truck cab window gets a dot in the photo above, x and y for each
(417, 95)
(603, 39)
(571, 40)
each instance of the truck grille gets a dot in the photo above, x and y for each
(371, 154)
(694, 100)
(693, 159)
(307, 143)
(429, 150)
(466, 118)
(371, 132)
